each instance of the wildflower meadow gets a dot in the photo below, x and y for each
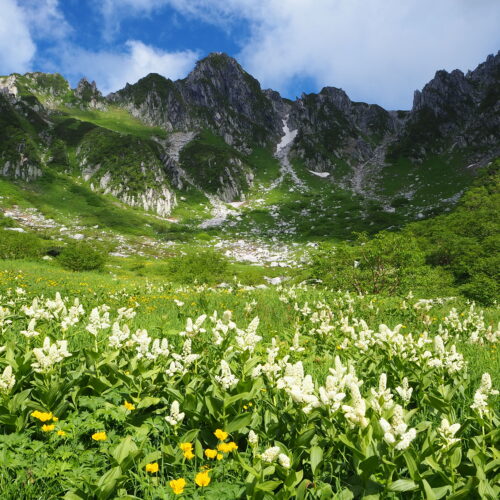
(164, 392)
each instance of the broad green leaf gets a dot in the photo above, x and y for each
(403, 485)
(370, 465)
(316, 457)
(147, 402)
(268, 485)
(124, 449)
(429, 493)
(107, 483)
(239, 422)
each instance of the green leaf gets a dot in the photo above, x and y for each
(370, 465)
(124, 449)
(411, 464)
(150, 457)
(238, 423)
(189, 436)
(429, 493)
(305, 437)
(456, 457)
(147, 402)
(268, 485)
(72, 496)
(403, 485)
(107, 483)
(228, 401)
(316, 457)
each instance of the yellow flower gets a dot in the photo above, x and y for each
(221, 435)
(186, 446)
(189, 454)
(55, 419)
(227, 447)
(61, 433)
(99, 436)
(154, 467)
(220, 456)
(48, 428)
(210, 453)
(42, 416)
(178, 485)
(202, 479)
(129, 406)
(233, 446)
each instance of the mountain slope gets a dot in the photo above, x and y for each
(216, 137)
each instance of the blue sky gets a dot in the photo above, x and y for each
(378, 51)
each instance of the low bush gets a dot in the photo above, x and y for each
(82, 257)
(14, 245)
(207, 266)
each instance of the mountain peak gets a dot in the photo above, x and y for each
(216, 65)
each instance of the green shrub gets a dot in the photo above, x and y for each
(388, 264)
(82, 257)
(206, 266)
(15, 245)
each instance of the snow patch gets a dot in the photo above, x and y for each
(320, 174)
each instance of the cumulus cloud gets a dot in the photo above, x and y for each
(16, 44)
(377, 50)
(113, 69)
(45, 19)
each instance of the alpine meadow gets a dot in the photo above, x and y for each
(211, 291)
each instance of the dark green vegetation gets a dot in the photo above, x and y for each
(82, 257)
(453, 253)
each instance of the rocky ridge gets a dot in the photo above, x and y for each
(218, 115)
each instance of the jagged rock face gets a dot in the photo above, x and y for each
(332, 129)
(456, 112)
(19, 155)
(89, 95)
(128, 168)
(156, 101)
(217, 94)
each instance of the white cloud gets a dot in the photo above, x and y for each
(113, 69)
(45, 19)
(16, 45)
(377, 50)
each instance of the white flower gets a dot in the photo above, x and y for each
(7, 380)
(406, 439)
(253, 439)
(447, 433)
(99, 319)
(178, 303)
(397, 433)
(50, 354)
(141, 340)
(481, 396)
(405, 391)
(296, 343)
(355, 412)
(193, 328)
(30, 331)
(271, 454)
(175, 417)
(159, 348)
(246, 340)
(118, 335)
(382, 399)
(284, 461)
(127, 313)
(226, 379)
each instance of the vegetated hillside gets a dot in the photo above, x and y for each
(449, 254)
(212, 136)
